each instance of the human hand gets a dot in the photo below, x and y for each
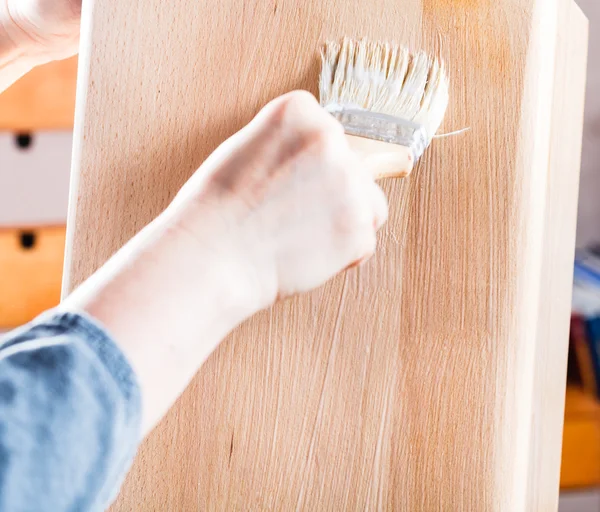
(44, 30)
(285, 202)
(279, 208)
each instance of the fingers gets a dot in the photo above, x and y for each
(298, 112)
(358, 205)
(380, 206)
(374, 195)
(370, 208)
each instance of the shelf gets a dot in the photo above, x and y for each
(581, 441)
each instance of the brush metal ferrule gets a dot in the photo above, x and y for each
(383, 127)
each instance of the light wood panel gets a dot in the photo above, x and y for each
(30, 277)
(404, 385)
(557, 282)
(44, 99)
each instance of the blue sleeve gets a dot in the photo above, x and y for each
(70, 416)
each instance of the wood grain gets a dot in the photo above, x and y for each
(29, 277)
(44, 99)
(556, 286)
(404, 385)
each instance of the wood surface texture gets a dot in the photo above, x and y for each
(30, 278)
(551, 346)
(408, 384)
(44, 99)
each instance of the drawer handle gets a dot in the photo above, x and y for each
(28, 240)
(23, 140)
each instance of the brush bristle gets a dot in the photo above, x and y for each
(384, 78)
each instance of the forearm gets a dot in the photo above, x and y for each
(167, 302)
(276, 210)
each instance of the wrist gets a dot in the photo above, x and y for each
(17, 55)
(33, 38)
(13, 40)
(221, 231)
(215, 258)
(168, 305)
(189, 289)
(14, 60)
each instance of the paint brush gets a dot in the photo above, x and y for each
(391, 102)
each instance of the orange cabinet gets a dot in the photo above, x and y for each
(31, 262)
(581, 442)
(44, 99)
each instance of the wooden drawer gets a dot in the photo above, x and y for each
(44, 99)
(34, 178)
(31, 263)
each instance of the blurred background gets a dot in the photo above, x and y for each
(36, 119)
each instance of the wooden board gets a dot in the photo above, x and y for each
(31, 261)
(404, 385)
(42, 100)
(557, 283)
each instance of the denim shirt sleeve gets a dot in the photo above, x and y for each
(70, 416)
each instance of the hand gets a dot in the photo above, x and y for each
(44, 30)
(277, 209)
(285, 202)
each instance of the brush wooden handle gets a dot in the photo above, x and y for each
(383, 159)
